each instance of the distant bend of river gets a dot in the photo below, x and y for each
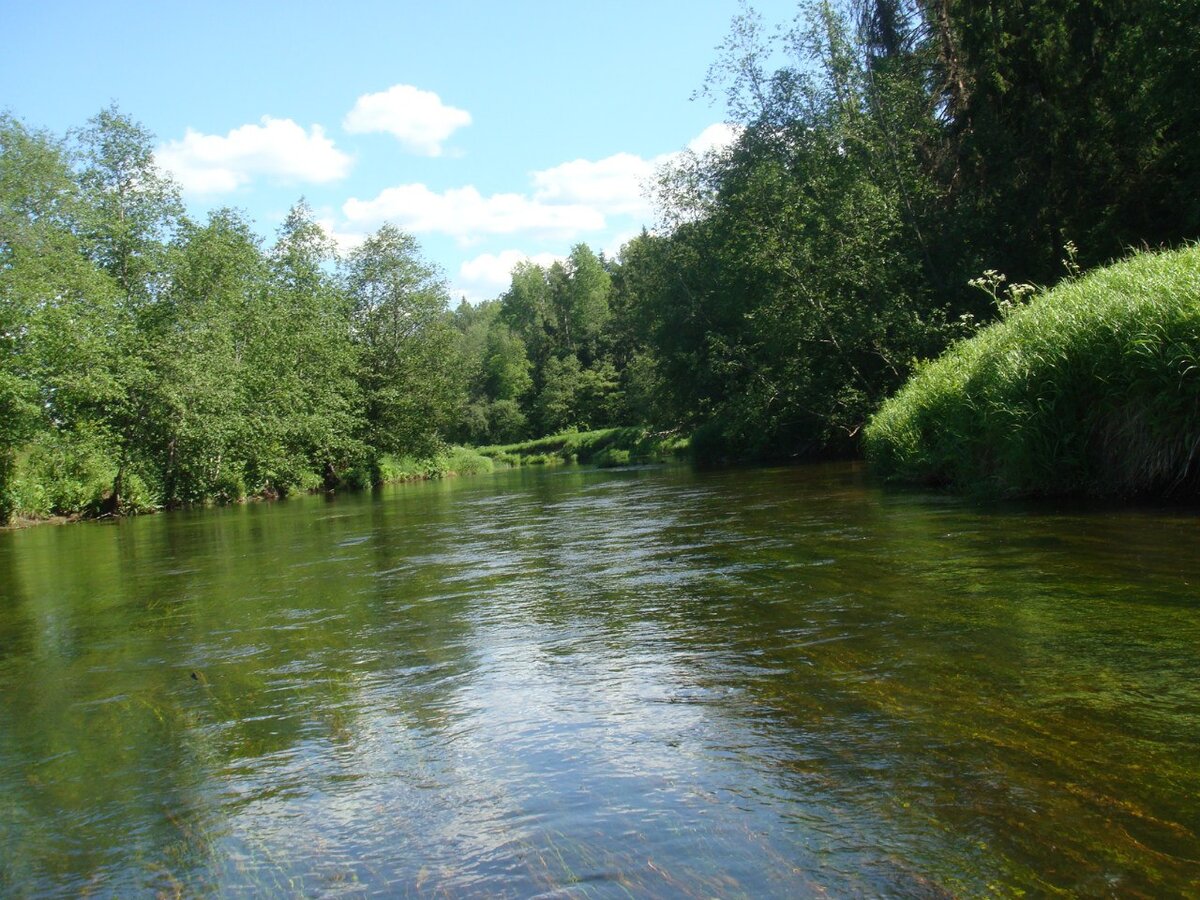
(579, 683)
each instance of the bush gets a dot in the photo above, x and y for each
(1092, 387)
(449, 461)
(62, 474)
(465, 461)
(228, 488)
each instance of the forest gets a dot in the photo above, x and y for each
(890, 153)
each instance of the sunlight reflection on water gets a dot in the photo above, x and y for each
(580, 683)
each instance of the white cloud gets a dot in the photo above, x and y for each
(615, 184)
(277, 148)
(603, 201)
(489, 274)
(464, 213)
(620, 184)
(416, 118)
(495, 268)
(715, 137)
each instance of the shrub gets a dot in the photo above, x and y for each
(465, 461)
(63, 474)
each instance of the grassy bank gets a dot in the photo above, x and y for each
(1090, 388)
(48, 489)
(449, 462)
(606, 447)
(45, 494)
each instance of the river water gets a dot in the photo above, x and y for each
(578, 683)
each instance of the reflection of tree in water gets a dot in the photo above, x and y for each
(89, 714)
(19, 802)
(168, 677)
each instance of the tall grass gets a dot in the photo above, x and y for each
(448, 462)
(1090, 388)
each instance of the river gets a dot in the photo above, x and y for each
(579, 683)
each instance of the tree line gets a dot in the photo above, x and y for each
(888, 152)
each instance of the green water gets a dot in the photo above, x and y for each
(652, 682)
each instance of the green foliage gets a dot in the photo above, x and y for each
(505, 420)
(304, 364)
(447, 462)
(1092, 387)
(466, 461)
(506, 367)
(1070, 121)
(539, 359)
(200, 404)
(130, 208)
(583, 309)
(404, 341)
(900, 148)
(628, 444)
(887, 151)
(61, 327)
(147, 360)
(65, 474)
(558, 402)
(796, 287)
(611, 458)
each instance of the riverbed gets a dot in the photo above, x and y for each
(580, 683)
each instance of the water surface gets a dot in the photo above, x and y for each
(575, 683)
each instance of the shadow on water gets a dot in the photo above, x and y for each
(652, 681)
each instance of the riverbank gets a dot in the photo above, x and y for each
(449, 463)
(1092, 388)
(605, 448)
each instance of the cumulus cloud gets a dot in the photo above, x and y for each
(418, 119)
(604, 201)
(489, 274)
(615, 184)
(464, 213)
(277, 148)
(619, 184)
(715, 137)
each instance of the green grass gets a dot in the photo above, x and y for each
(449, 462)
(604, 447)
(1090, 388)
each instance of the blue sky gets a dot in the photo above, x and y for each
(492, 131)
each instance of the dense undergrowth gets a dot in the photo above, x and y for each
(1091, 388)
(52, 482)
